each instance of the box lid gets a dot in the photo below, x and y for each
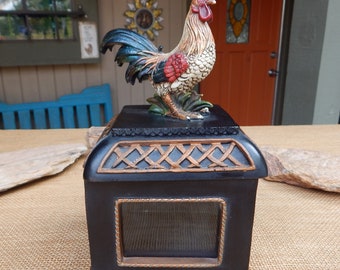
(141, 146)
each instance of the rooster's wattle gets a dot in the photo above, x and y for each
(170, 73)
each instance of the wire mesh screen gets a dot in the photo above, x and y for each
(171, 228)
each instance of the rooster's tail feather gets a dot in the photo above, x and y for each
(126, 37)
(134, 50)
(137, 70)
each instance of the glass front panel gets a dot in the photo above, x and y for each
(171, 228)
(238, 19)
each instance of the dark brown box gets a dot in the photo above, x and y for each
(168, 194)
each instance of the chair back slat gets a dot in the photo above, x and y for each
(68, 116)
(8, 119)
(95, 114)
(82, 116)
(40, 119)
(25, 119)
(54, 117)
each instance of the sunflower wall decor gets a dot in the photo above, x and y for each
(144, 17)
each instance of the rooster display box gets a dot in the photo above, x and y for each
(163, 193)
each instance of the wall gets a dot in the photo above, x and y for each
(312, 91)
(327, 103)
(305, 51)
(42, 83)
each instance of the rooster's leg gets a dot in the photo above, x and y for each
(177, 112)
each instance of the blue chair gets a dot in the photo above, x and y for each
(91, 107)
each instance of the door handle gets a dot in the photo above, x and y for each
(273, 55)
(273, 73)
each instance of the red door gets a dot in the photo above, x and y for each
(243, 79)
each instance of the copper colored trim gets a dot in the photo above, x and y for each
(165, 150)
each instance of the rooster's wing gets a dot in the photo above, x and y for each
(170, 69)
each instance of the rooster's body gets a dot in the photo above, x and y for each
(170, 73)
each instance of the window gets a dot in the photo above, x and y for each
(36, 32)
(38, 19)
(238, 15)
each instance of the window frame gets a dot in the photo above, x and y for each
(33, 52)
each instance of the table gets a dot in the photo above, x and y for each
(43, 224)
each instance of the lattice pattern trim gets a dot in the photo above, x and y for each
(177, 156)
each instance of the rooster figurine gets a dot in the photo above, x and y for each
(172, 73)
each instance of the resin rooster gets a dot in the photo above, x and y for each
(172, 74)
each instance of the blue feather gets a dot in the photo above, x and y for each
(134, 49)
(127, 54)
(127, 37)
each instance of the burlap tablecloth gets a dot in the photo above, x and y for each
(43, 224)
